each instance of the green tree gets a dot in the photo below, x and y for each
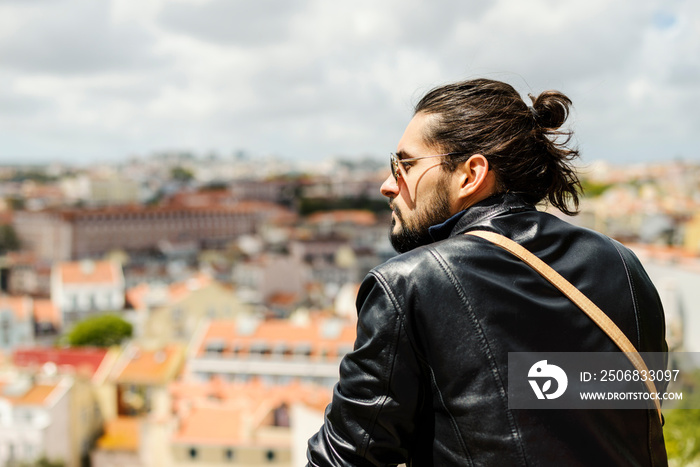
(16, 203)
(181, 174)
(8, 239)
(593, 189)
(37, 175)
(100, 331)
(310, 205)
(682, 427)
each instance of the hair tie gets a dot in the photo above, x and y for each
(534, 113)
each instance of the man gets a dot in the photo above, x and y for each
(426, 383)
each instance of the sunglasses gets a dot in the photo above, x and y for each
(395, 161)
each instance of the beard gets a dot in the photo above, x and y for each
(407, 234)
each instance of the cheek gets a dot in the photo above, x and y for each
(408, 196)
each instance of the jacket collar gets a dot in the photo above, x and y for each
(485, 209)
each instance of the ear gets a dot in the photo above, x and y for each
(476, 181)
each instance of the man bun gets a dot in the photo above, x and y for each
(550, 109)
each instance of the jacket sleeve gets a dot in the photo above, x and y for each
(371, 420)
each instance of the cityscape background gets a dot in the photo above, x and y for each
(189, 199)
(183, 309)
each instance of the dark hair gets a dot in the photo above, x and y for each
(524, 145)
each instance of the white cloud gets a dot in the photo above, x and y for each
(311, 78)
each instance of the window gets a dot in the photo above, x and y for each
(270, 455)
(5, 328)
(193, 453)
(214, 347)
(229, 454)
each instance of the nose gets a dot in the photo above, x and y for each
(390, 187)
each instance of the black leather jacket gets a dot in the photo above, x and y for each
(427, 381)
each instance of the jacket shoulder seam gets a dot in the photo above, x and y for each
(633, 293)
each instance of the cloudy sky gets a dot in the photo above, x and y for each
(84, 80)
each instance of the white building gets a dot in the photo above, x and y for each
(278, 351)
(34, 420)
(81, 288)
(16, 321)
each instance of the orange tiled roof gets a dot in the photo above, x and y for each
(210, 425)
(679, 257)
(20, 305)
(663, 251)
(37, 394)
(121, 434)
(136, 296)
(283, 299)
(221, 420)
(21, 257)
(92, 272)
(6, 217)
(243, 207)
(282, 331)
(350, 216)
(148, 366)
(46, 312)
(201, 198)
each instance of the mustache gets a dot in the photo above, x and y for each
(396, 210)
(393, 207)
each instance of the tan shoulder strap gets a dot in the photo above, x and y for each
(575, 295)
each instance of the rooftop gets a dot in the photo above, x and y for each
(317, 335)
(19, 305)
(357, 217)
(89, 272)
(20, 392)
(46, 312)
(80, 359)
(226, 413)
(120, 434)
(147, 366)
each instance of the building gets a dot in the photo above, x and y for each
(92, 398)
(278, 351)
(264, 277)
(47, 318)
(120, 444)
(135, 434)
(16, 321)
(167, 313)
(82, 288)
(220, 423)
(141, 376)
(24, 274)
(691, 240)
(35, 421)
(69, 234)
